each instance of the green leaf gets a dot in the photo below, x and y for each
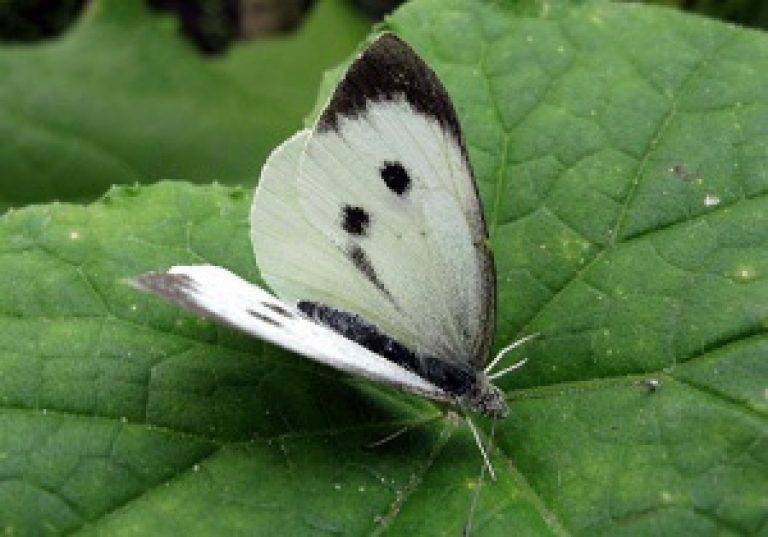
(622, 155)
(123, 97)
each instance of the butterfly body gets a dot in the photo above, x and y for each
(369, 231)
(466, 387)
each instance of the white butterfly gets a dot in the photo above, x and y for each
(369, 229)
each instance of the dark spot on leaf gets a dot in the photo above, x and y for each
(395, 177)
(682, 172)
(355, 220)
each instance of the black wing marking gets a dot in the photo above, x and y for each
(386, 69)
(455, 378)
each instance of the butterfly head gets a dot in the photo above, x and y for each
(486, 399)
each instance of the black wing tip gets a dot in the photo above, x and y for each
(386, 69)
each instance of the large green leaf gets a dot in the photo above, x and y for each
(622, 155)
(122, 97)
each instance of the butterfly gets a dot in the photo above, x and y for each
(369, 230)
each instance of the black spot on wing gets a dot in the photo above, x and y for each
(456, 378)
(386, 70)
(264, 318)
(362, 262)
(277, 308)
(355, 220)
(395, 177)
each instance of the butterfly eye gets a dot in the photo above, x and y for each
(395, 177)
(355, 220)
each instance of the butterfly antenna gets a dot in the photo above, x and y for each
(505, 350)
(476, 495)
(479, 442)
(516, 365)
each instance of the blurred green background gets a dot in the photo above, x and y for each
(212, 24)
(98, 92)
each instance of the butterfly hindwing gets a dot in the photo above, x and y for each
(220, 295)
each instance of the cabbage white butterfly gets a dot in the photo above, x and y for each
(369, 230)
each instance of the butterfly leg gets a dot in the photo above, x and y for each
(405, 428)
(476, 495)
(479, 442)
(389, 437)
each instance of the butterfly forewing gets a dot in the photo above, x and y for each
(384, 178)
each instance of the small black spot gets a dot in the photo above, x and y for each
(355, 220)
(396, 177)
(277, 308)
(264, 318)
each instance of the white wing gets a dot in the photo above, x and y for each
(294, 257)
(217, 293)
(377, 211)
